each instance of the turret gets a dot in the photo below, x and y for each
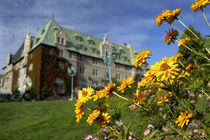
(27, 43)
(8, 58)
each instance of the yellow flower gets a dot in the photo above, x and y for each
(183, 41)
(79, 110)
(99, 94)
(162, 17)
(165, 70)
(199, 5)
(200, 95)
(168, 16)
(184, 118)
(139, 97)
(176, 57)
(86, 94)
(93, 116)
(171, 36)
(141, 58)
(109, 89)
(103, 119)
(125, 83)
(163, 99)
(189, 66)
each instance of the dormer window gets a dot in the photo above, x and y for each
(58, 40)
(113, 48)
(62, 41)
(78, 38)
(91, 42)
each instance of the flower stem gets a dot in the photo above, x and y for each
(186, 46)
(179, 132)
(188, 28)
(178, 30)
(205, 93)
(205, 18)
(121, 96)
(178, 99)
(171, 111)
(142, 107)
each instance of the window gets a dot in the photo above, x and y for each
(94, 50)
(58, 40)
(81, 70)
(107, 75)
(127, 68)
(70, 54)
(62, 41)
(118, 76)
(81, 58)
(81, 47)
(117, 66)
(79, 38)
(91, 42)
(95, 61)
(60, 53)
(126, 58)
(113, 48)
(95, 72)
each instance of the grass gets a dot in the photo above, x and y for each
(41, 120)
(56, 120)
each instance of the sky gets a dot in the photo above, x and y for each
(125, 21)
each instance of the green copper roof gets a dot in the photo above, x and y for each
(46, 36)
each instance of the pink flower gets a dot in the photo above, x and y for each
(150, 126)
(146, 132)
(165, 129)
(196, 130)
(192, 101)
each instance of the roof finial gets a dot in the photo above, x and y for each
(53, 16)
(105, 39)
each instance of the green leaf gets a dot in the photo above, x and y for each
(195, 86)
(127, 130)
(150, 136)
(200, 105)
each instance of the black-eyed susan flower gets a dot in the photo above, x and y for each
(168, 16)
(86, 94)
(199, 5)
(141, 57)
(109, 89)
(103, 119)
(171, 36)
(139, 97)
(79, 110)
(176, 57)
(165, 70)
(162, 100)
(183, 41)
(99, 94)
(125, 83)
(189, 66)
(93, 116)
(184, 118)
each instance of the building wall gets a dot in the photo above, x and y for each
(6, 79)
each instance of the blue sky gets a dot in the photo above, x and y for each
(125, 21)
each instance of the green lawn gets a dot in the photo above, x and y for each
(41, 120)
